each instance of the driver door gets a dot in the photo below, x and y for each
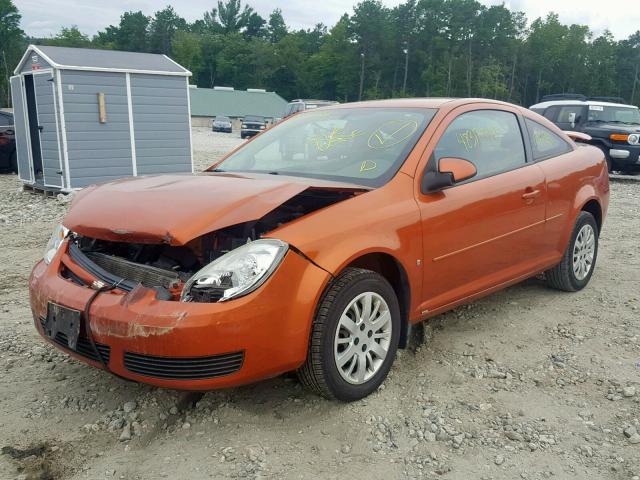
(488, 230)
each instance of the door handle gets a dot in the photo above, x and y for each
(530, 194)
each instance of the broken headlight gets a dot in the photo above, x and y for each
(236, 273)
(58, 235)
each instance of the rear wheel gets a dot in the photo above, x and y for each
(575, 270)
(354, 337)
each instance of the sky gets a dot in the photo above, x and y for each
(43, 18)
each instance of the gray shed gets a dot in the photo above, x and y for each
(84, 116)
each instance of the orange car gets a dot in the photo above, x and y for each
(318, 244)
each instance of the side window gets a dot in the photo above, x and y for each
(569, 112)
(490, 139)
(544, 142)
(551, 113)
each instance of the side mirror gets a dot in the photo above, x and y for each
(572, 119)
(450, 171)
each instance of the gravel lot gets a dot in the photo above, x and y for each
(528, 383)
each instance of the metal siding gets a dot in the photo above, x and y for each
(161, 124)
(19, 120)
(50, 148)
(97, 152)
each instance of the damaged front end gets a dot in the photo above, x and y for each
(226, 263)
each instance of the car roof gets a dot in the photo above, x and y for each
(552, 103)
(447, 103)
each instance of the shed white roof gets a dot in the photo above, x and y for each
(104, 60)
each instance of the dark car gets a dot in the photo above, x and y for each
(252, 125)
(614, 126)
(8, 159)
(300, 104)
(221, 124)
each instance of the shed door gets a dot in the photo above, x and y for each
(20, 124)
(48, 125)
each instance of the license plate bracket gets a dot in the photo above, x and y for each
(63, 320)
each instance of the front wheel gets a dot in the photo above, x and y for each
(354, 337)
(575, 270)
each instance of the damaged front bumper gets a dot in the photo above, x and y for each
(183, 345)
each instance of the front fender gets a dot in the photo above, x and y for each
(386, 220)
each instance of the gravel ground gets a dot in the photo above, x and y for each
(528, 383)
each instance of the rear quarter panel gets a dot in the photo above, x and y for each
(573, 180)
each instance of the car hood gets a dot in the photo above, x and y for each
(175, 209)
(611, 127)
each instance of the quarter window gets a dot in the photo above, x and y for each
(544, 142)
(5, 120)
(490, 139)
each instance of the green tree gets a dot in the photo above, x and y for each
(186, 49)
(277, 28)
(162, 28)
(232, 17)
(70, 37)
(12, 44)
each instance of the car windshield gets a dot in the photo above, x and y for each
(365, 146)
(222, 119)
(254, 118)
(613, 114)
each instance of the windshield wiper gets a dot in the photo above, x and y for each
(217, 170)
(273, 173)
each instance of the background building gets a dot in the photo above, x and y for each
(207, 103)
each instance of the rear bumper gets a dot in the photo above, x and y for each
(191, 346)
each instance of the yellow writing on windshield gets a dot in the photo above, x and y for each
(391, 133)
(337, 136)
(367, 165)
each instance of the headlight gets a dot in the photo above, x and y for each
(244, 126)
(236, 273)
(58, 235)
(633, 139)
(261, 127)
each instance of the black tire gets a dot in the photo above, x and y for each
(562, 276)
(320, 372)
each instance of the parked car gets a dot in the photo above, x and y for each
(614, 126)
(221, 124)
(252, 125)
(390, 212)
(299, 105)
(8, 160)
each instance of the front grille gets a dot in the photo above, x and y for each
(144, 274)
(83, 346)
(184, 368)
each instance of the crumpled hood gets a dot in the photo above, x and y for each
(175, 209)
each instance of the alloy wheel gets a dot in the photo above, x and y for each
(584, 250)
(363, 338)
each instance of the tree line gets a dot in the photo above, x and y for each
(457, 48)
